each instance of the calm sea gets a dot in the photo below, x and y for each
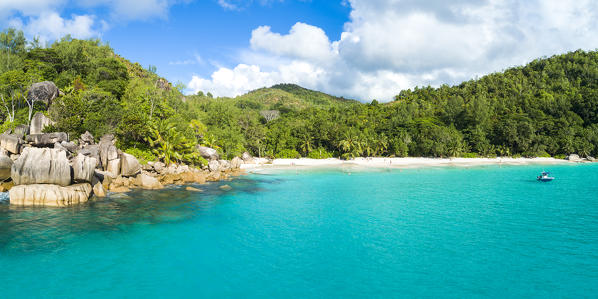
(322, 233)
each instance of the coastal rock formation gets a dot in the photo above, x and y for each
(43, 92)
(208, 153)
(99, 190)
(49, 195)
(574, 158)
(129, 166)
(214, 166)
(224, 165)
(41, 166)
(147, 182)
(11, 143)
(5, 166)
(246, 157)
(235, 163)
(113, 167)
(108, 150)
(86, 139)
(21, 130)
(38, 123)
(46, 139)
(91, 151)
(83, 168)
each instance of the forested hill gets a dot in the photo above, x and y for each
(548, 107)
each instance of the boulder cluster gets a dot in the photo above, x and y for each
(47, 169)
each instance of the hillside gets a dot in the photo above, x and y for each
(548, 107)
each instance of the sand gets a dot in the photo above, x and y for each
(397, 162)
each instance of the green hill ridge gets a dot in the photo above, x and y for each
(548, 107)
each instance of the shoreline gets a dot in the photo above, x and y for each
(409, 162)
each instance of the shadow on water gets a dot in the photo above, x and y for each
(33, 229)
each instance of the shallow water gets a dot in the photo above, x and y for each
(347, 232)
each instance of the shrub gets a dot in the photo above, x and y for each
(144, 155)
(470, 155)
(319, 153)
(288, 154)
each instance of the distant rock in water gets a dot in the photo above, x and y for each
(49, 195)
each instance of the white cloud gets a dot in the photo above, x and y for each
(42, 17)
(50, 26)
(390, 45)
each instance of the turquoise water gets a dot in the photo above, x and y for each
(336, 233)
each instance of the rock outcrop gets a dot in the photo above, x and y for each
(574, 158)
(41, 166)
(46, 139)
(49, 195)
(11, 143)
(43, 92)
(83, 168)
(129, 166)
(214, 166)
(21, 130)
(235, 163)
(38, 123)
(145, 181)
(208, 153)
(86, 139)
(5, 166)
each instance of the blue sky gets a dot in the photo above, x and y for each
(363, 49)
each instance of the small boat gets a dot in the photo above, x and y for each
(545, 177)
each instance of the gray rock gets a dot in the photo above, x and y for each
(591, 159)
(38, 123)
(62, 148)
(208, 153)
(5, 166)
(91, 151)
(574, 158)
(41, 166)
(87, 138)
(108, 150)
(99, 190)
(49, 195)
(70, 146)
(21, 130)
(159, 167)
(129, 165)
(11, 143)
(113, 167)
(224, 165)
(46, 139)
(214, 165)
(246, 157)
(148, 182)
(43, 92)
(235, 163)
(83, 168)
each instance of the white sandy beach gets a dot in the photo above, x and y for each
(396, 162)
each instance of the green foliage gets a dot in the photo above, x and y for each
(169, 145)
(288, 154)
(144, 155)
(548, 107)
(320, 153)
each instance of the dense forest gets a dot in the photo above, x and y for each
(546, 108)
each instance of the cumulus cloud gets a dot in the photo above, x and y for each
(42, 17)
(50, 26)
(390, 45)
